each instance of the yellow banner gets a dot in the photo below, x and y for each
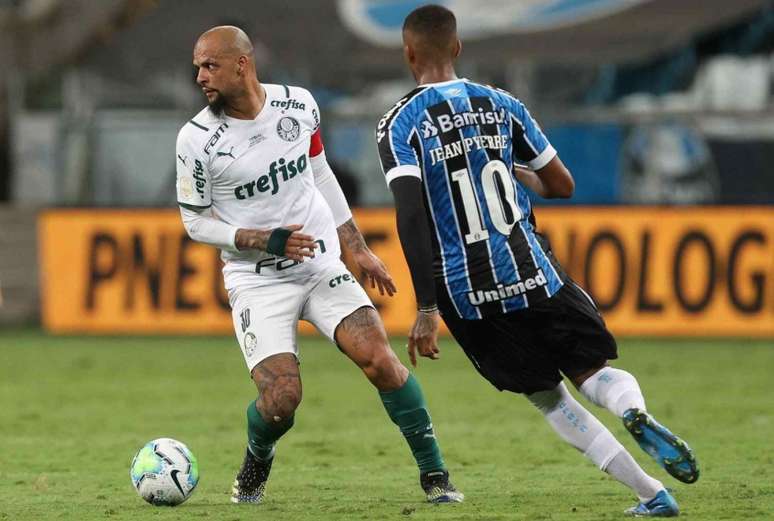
(653, 271)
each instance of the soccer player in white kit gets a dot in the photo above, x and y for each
(252, 179)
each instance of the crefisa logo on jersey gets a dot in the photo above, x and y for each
(338, 280)
(288, 128)
(288, 104)
(279, 170)
(198, 174)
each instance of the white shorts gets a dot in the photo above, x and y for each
(266, 317)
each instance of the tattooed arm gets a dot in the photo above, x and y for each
(297, 246)
(372, 267)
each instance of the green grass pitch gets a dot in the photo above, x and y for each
(74, 410)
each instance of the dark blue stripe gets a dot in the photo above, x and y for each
(554, 283)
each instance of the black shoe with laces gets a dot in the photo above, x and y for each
(250, 482)
(438, 488)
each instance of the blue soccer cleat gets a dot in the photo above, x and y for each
(439, 489)
(663, 505)
(668, 450)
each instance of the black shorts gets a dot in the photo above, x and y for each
(527, 351)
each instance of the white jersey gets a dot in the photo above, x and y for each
(258, 174)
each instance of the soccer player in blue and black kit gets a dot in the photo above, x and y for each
(449, 151)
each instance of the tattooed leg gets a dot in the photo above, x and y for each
(362, 338)
(271, 415)
(279, 387)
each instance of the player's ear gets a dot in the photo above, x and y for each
(457, 48)
(408, 53)
(241, 63)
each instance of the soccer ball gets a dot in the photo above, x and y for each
(164, 472)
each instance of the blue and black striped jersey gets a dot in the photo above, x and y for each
(461, 140)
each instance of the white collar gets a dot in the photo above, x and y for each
(438, 84)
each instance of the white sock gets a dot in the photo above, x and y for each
(623, 468)
(614, 389)
(578, 427)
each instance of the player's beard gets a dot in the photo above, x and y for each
(218, 104)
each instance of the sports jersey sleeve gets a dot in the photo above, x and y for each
(530, 145)
(393, 134)
(324, 177)
(193, 178)
(203, 227)
(415, 238)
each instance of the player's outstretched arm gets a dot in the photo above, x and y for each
(550, 182)
(414, 234)
(288, 242)
(372, 267)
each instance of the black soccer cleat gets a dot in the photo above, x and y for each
(438, 488)
(250, 483)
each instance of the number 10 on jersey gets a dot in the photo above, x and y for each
(499, 194)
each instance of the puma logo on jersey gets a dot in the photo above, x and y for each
(279, 170)
(227, 154)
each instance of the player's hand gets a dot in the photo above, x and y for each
(423, 337)
(374, 269)
(299, 245)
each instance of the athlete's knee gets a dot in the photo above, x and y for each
(580, 378)
(362, 338)
(547, 401)
(361, 328)
(279, 387)
(281, 401)
(384, 369)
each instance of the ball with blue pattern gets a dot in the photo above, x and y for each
(164, 472)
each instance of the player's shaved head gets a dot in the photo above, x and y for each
(226, 67)
(228, 40)
(431, 32)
